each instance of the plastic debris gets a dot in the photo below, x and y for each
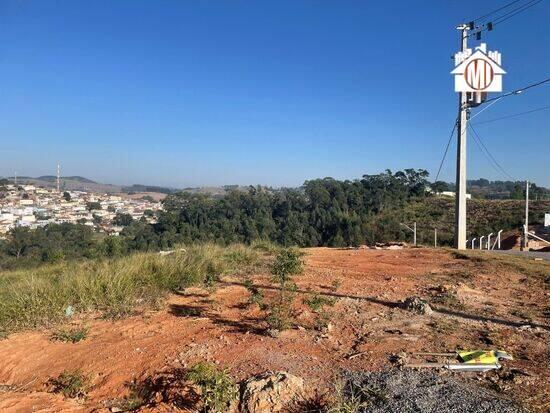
(465, 360)
(69, 311)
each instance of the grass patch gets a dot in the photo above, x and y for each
(218, 389)
(317, 302)
(71, 335)
(116, 287)
(131, 402)
(450, 300)
(71, 384)
(495, 262)
(474, 256)
(347, 398)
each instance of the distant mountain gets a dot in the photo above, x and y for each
(69, 183)
(51, 178)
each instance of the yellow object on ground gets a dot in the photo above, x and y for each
(478, 357)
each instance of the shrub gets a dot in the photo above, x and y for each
(71, 384)
(256, 296)
(218, 389)
(288, 262)
(73, 335)
(317, 302)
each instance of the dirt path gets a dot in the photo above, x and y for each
(480, 306)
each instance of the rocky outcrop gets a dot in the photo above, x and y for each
(270, 392)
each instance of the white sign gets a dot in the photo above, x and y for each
(479, 71)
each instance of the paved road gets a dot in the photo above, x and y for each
(530, 254)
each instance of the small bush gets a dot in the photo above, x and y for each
(278, 317)
(317, 302)
(287, 262)
(335, 285)
(73, 335)
(129, 403)
(256, 296)
(346, 400)
(71, 384)
(218, 389)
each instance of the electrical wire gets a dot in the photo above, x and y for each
(446, 150)
(491, 158)
(517, 10)
(499, 9)
(513, 115)
(485, 108)
(518, 91)
(502, 18)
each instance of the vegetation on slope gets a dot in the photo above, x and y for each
(325, 212)
(115, 287)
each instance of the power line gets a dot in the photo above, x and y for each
(488, 26)
(513, 115)
(499, 9)
(492, 158)
(517, 10)
(518, 91)
(446, 149)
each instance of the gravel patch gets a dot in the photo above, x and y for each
(424, 392)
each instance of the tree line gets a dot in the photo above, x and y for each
(323, 212)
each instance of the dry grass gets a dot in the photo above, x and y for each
(40, 297)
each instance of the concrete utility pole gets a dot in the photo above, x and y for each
(435, 237)
(526, 230)
(413, 230)
(460, 201)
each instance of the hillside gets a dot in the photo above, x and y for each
(484, 217)
(135, 350)
(70, 183)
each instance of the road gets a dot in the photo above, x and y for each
(530, 254)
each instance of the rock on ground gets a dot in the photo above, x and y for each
(416, 305)
(408, 391)
(270, 392)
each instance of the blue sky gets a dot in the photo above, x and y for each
(186, 93)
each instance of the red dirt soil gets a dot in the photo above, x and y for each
(478, 305)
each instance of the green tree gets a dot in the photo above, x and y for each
(91, 206)
(122, 219)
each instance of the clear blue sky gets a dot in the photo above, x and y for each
(257, 92)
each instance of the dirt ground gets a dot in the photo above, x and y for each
(478, 304)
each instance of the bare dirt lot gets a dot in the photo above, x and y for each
(480, 301)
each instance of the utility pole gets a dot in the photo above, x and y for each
(58, 176)
(413, 230)
(435, 237)
(460, 196)
(526, 227)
